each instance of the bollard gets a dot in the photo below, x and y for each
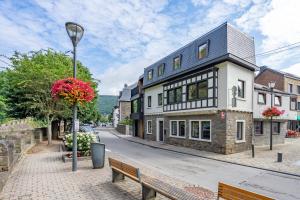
(253, 153)
(279, 157)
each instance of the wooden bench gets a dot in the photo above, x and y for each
(151, 186)
(120, 170)
(233, 193)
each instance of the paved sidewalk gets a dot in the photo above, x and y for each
(264, 158)
(42, 175)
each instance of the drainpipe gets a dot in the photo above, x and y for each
(253, 140)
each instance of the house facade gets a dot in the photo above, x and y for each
(125, 102)
(200, 96)
(287, 83)
(262, 126)
(137, 109)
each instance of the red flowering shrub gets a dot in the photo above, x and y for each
(272, 112)
(291, 133)
(72, 90)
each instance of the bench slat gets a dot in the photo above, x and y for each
(167, 190)
(125, 169)
(234, 193)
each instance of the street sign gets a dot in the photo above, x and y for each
(222, 115)
(77, 125)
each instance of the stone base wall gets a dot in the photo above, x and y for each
(218, 133)
(264, 139)
(124, 129)
(232, 146)
(152, 118)
(223, 131)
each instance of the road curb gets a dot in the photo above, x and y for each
(205, 157)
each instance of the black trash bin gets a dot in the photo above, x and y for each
(98, 154)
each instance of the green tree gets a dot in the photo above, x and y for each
(29, 87)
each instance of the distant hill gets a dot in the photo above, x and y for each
(106, 103)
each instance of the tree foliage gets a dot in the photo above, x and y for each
(27, 86)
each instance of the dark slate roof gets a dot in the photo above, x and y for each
(225, 43)
(126, 92)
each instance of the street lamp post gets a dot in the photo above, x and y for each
(75, 32)
(271, 86)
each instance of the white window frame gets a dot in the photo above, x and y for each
(200, 127)
(177, 122)
(238, 97)
(148, 127)
(244, 132)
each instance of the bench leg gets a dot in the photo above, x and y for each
(148, 193)
(116, 176)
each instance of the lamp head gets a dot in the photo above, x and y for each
(272, 84)
(75, 32)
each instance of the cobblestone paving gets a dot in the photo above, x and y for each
(264, 158)
(43, 175)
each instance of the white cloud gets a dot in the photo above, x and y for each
(294, 69)
(276, 21)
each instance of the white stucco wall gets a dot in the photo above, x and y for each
(228, 76)
(153, 92)
(285, 105)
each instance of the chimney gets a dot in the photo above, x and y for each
(125, 85)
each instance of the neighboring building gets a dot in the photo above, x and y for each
(137, 109)
(262, 101)
(124, 102)
(200, 96)
(115, 116)
(286, 82)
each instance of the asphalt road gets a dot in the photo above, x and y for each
(204, 172)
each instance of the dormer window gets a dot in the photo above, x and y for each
(202, 51)
(177, 62)
(161, 70)
(150, 74)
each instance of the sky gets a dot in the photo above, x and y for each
(123, 37)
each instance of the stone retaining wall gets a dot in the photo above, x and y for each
(15, 139)
(124, 129)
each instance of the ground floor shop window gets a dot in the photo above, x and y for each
(177, 128)
(149, 127)
(258, 127)
(240, 131)
(200, 130)
(276, 127)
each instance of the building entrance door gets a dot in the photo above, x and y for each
(161, 130)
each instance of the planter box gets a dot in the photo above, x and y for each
(65, 158)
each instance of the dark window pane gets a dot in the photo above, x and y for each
(240, 131)
(258, 126)
(149, 126)
(150, 74)
(276, 127)
(195, 129)
(192, 92)
(174, 127)
(176, 63)
(149, 101)
(181, 128)
(202, 89)
(241, 89)
(205, 130)
(202, 51)
(159, 99)
(178, 93)
(261, 98)
(171, 96)
(161, 70)
(277, 101)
